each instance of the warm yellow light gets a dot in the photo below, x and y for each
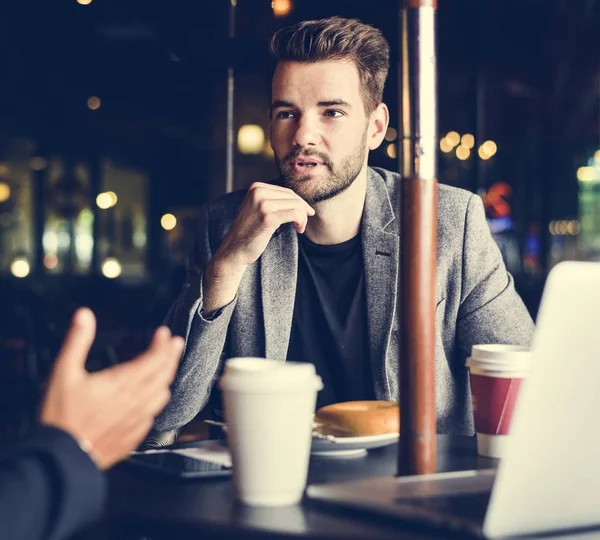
(552, 227)
(563, 227)
(462, 152)
(482, 153)
(20, 267)
(113, 197)
(168, 222)
(597, 157)
(111, 268)
(446, 145)
(391, 134)
(251, 139)
(281, 8)
(453, 138)
(587, 174)
(106, 200)
(468, 141)
(489, 148)
(50, 261)
(94, 103)
(574, 227)
(84, 2)
(103, 201)
(4, 192)
(391, 150)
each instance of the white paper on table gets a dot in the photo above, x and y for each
(214, 453)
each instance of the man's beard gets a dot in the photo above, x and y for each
(336, 181)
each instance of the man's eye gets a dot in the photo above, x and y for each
(333, 113)
(284, 114)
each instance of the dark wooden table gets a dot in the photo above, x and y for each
(143, 506)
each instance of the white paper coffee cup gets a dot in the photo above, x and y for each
(269, 408)
(496, 373)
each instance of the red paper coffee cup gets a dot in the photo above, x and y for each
(496, 376)
(494, 401)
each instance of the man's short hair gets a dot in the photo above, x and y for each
(337, 38)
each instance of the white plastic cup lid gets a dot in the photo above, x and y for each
(262, 375)
(499, 352)
(500, 357)
(516, 372)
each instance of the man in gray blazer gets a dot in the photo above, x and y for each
(305, 267)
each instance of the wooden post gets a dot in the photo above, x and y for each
(418, 239)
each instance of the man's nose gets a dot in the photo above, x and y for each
(307, 133)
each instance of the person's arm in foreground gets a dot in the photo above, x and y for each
(49, 486)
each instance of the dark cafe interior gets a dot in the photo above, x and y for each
(120, 120)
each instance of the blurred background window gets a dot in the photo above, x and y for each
(16, 210)
(123, 208)
(68, 240)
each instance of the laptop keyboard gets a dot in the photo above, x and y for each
(469, 505)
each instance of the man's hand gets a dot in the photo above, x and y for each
(264, 209)
(111, 410)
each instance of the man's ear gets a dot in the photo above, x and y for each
(378, 124)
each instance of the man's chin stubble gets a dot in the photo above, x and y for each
(314, 196)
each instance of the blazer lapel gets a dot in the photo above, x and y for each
(278, 273)
(380, 244)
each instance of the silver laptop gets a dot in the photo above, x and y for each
(549, 478)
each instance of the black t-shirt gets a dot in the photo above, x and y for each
(329, 326)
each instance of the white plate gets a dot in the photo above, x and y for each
(341, 446)
(350, 446)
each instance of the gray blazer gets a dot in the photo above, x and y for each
(476, 302)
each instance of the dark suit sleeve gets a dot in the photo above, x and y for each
(49, 487)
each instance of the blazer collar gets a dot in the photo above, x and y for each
(381, 247)
(278, 275)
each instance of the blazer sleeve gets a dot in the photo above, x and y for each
(204, 337)
(490, 309)
(49, 487)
